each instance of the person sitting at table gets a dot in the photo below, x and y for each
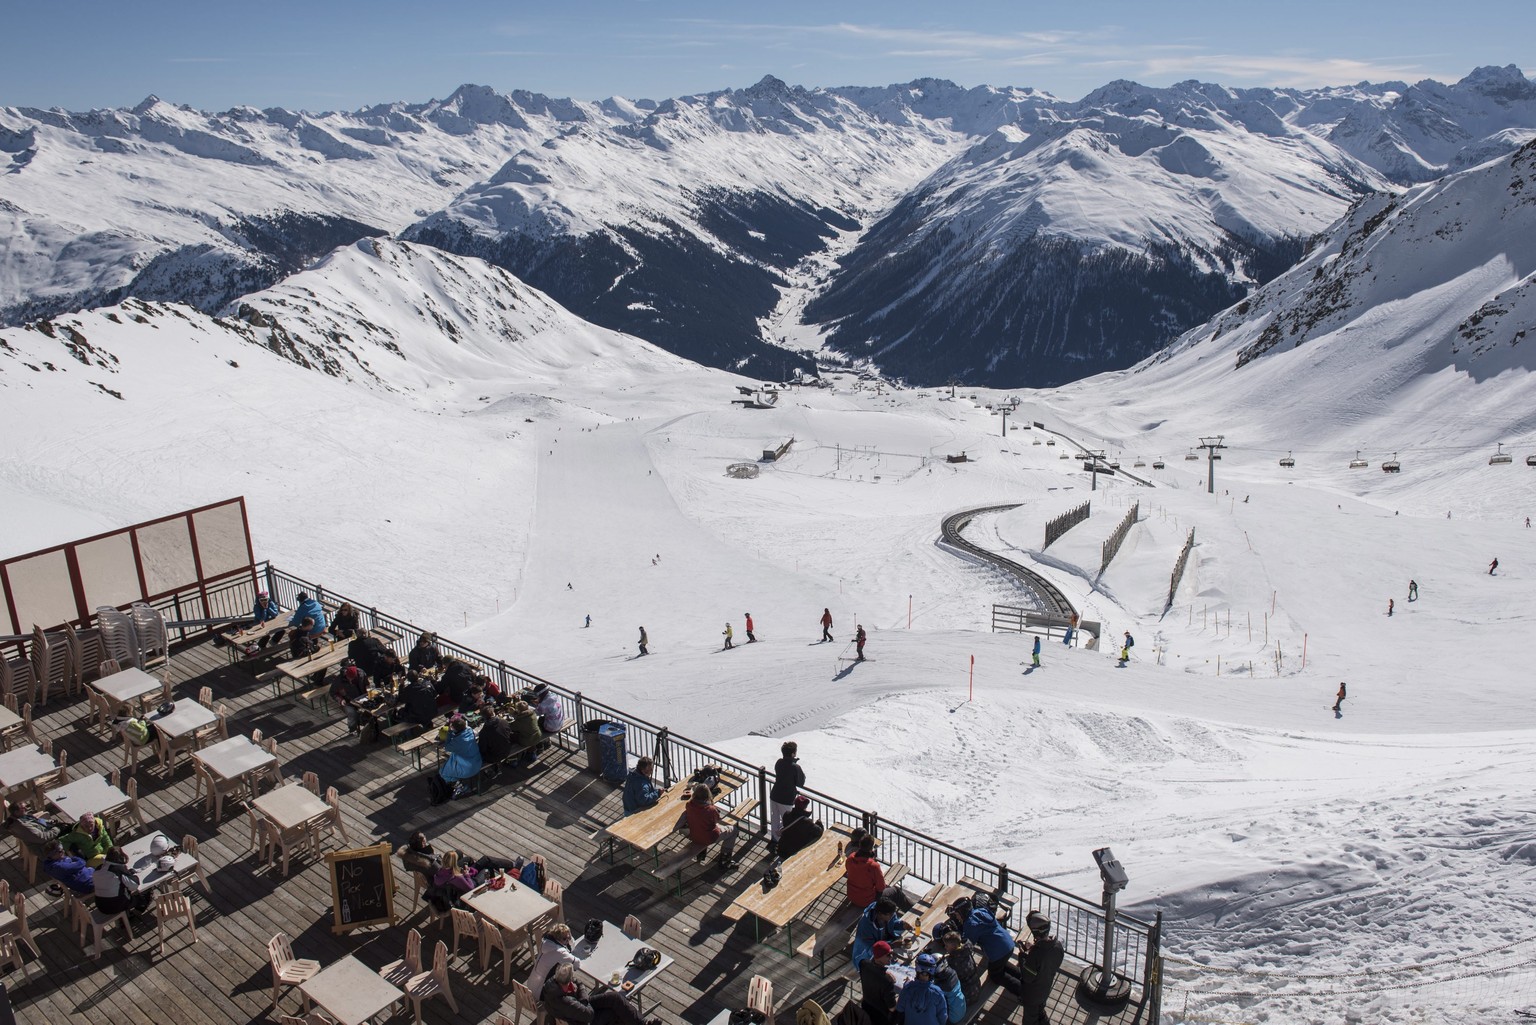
(461, 761)
(566, 999)
(704, 828)
(70, 870)
(89, 839)
(263, 610)
(117, 886)
(307, 608)
(866, 879)
(421, 857)
(877, 986)
(346, 622)
(948, 981)
(34, 828)
(425, 654)
(372, 656)
(800, 829)
(878, 922)
(962, 958)
(979, 925)
(639, 792)
(455, 874)
(495, 740)
(551, 712)
(554, 950)
(922, 1002)
(350, 686)
(525, 732)
(418, 701)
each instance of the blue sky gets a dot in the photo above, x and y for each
(342, 54)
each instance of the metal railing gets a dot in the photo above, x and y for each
(1078, 921)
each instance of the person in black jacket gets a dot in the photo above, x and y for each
(877, 986)
(567, 1000)
(495, 740)
(425, 655)
(345, 623)
(370, 654)
(788, 778)
(418, 701)
(348, 688)
(1039, 960)
(800, 830)
(458, 679)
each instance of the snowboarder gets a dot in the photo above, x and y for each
(726, 633)
(1071, 629)
(750, 639)
(826, 624)
(643, 642)
(858, 640)
(1389, 606)
(1413, 590)
(1125, 649)
(1037, 652)
(1338, 699)
(589, 620)
(1493, 566)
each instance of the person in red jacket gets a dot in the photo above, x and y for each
(704, 826)
(866, 879)
(826, 624)
(750, 639)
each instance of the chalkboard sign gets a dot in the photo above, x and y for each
(362, 887)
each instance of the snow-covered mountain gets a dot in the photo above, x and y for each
(1017, 238)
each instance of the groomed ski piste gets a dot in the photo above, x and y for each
(1305, 863)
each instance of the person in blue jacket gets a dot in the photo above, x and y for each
(263, 610)
(878, 922)
(921, 1001)
(461, 761)
(639, 792)
(308, 608)
(982, 928)
(1037, 651)
(948, 982)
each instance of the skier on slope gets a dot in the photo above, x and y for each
(1413, 590)
(1493, 566)
(858, 640)
(643, 642)
(1125, 649)
(750, 638)
(1338, 699)
(726, 633)
(1036, 655)
(826, 624)
(1390, 603)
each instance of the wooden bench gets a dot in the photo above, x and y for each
(323, 692)
(675, 866)
(836, 935)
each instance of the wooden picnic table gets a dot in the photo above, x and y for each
(647, 828)
(803, 879)
(127, 686)
(300, 669)
(938, 902)
(237, 639)
(351, 992)
(23, 766)
(514, 907)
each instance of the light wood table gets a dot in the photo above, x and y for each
(291, 806)
(612, 954)
(236, 640)
(647, 828)
(331, 654)
(187, 718)
(803, 879)
(23, 766)
(89, 795)
(127, 686)
(351, 992)
(514, 907)
(235, 757)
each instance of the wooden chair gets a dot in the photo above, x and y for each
(16, 679)
(274, 772)
(287, 970)
(10, 954)
(493, 936)
(85, 650)
(333, 822)
(464, 924)
(285, 840)
(205, 697)
(253, 817)
(101, 710)
(22, 730)
(523, 1002)
(218, 789)
(57, 778)
(400, 972)
(170, 749)
(108, 667)
(256, 736)
(50, 664)
(132, 790)
(430, 984)
(76, 915)
(312, 782)
(17, 928)
(536, 930)
(632, 927)
(189, 845)
(171, 904)
(101, 921)
(555, 894)
(760, 997)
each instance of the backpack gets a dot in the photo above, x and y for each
(438, 789)
(593, 930)
(532, 876)
(1130, 642)
(645, 959)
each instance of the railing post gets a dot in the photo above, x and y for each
(871, 821)
(762, 800)
(373, 619)
(664, 755)
(501, 677)
(1002, 879)
(581, 725)
(271, 575)
(1152, 976)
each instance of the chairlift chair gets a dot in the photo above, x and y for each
(1357, 463)
(1066, 455)
(1157, 464)
(1114, 464)
(1530, 460)
(1037, 441)
(1391, 465)
(1190, 457)
(1500, 457)
(1287, 462)
(1140, 462)
(1050, 441)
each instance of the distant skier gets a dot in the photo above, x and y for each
(589, 620)
(1413, 590)
(1125, 649)
(1338, 698)
(1037, 652)
(726, 633)
(1527, 523)
(858, 640)
(643, 642)
(1071, 630)
(1389, 606)
(568, 587)
(1493, 566)
(750, 638)
(826, 624)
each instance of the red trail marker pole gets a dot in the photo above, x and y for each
(909, 612)
(972, 696)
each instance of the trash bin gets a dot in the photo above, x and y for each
(594, 744)
(611, 739)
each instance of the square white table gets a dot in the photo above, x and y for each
(233, 758)
(514, 907)
(291, 806)
(23, 766)
(351, 992)
(127, 685)
(8, 718)
(146, 864)
(612, 954)
(188, 718)
(89, 795)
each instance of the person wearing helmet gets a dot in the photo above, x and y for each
(1039, 960)
(922, 1002)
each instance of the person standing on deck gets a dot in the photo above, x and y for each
(788, 778)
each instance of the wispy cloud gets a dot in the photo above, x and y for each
(1285, 69)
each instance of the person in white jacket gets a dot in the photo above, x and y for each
(555, 950)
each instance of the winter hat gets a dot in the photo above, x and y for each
(352, 673)
(303, 596)
(1038, 923)
(801, 801)
(456, 720)
(261, 594)
(927, 963)
(881, 947)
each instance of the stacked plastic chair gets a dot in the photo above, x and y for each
(149, 628)
(119, 640)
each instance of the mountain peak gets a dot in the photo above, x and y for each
(1506, 83)
(147, 104)
(767, 87)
